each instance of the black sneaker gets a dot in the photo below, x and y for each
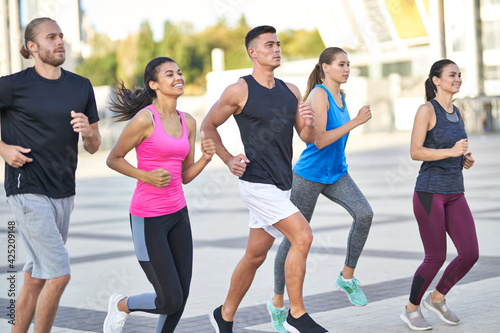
(220, 325)
(303, 324)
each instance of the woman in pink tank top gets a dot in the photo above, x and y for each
(164, 139)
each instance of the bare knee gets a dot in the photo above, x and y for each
(59, 284)
(33, 285)
(303, 242)
(255, 260)
(63, 280)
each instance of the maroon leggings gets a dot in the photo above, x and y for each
(438, 214)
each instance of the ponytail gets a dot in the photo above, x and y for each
(25, 52)
(129, 102)
(430, 89)
(30, 34)
(317, 75)
(436, 70)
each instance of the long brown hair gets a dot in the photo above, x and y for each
(129, 102)
(317, 75)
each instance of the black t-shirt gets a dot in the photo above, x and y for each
(266, 127)
(35, 113)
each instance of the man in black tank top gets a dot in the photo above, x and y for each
(266, 109)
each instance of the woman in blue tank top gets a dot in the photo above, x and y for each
(322, 169)
(440, 142)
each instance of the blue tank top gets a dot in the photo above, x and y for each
(266, 127)
(443, 176)
(326, 165)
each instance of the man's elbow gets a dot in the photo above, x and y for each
(309, 138)
(93, 147)
(92, 150)
(308, 141)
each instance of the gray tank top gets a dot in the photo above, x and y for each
(266, 127)
(443, 176)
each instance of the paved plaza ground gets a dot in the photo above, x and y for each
(103, 259)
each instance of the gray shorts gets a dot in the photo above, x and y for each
(43, 224)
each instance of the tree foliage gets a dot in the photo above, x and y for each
(101, 67)
(301, 43)
(126, 59)
(126, 55)
(146, 50)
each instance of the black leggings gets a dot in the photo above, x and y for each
(164, 247)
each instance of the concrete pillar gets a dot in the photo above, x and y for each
(474, 50)
(478, 42)
(218, 60)
(4, 40)
(77, 26)
(15, 36)
(437, 32)
(375, 70)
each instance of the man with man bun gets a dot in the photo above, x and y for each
(44, 109)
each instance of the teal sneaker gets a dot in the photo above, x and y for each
(278, 317)
(353, 291)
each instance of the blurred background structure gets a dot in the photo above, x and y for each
(391, 45)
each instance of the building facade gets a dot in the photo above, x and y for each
(392, 44)
(16, 14)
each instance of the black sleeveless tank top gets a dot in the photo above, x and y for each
(266, 127)
(443, 176)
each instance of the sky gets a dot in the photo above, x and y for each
(117, 18)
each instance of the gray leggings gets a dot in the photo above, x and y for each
(346, 193)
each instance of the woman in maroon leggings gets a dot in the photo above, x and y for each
(439, 140)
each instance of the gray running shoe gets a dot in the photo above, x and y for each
(442, 310)
(415, 319)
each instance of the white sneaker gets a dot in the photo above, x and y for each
(115, 319)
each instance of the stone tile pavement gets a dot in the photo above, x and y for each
(103, 260)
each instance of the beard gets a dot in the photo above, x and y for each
(51, 58)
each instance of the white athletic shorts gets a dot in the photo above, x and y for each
(267, 205)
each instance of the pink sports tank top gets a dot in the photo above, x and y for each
(160, 150)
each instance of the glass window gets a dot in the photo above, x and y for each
(402, 68)
(491, 35)
(490, 2)
(492, 72)
(362, 71)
